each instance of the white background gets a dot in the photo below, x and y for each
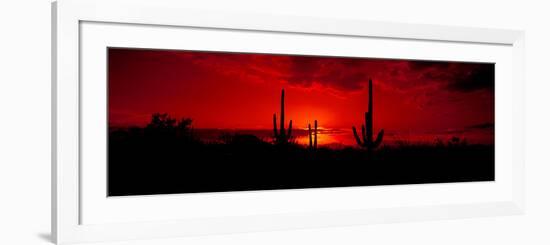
(25, 123)
(97, 209)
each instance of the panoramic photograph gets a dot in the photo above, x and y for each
(182, 121)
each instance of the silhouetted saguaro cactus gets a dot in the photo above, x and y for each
(366, 129)
(283, 136)
(312, 144)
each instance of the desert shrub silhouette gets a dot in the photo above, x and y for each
(163, 127)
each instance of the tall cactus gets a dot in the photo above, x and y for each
(312, 144)
(282, 137)
(366, 129)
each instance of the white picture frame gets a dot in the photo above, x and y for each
(68, 18)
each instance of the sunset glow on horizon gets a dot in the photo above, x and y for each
(221, 90)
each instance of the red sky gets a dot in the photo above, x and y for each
(242, 91)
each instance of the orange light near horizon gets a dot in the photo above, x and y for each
(302, 118)
(325, 137)
(242, 91)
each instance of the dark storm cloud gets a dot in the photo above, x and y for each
(341, 74)
(349, 74)
(423, 65)
(461, 77)
(480, 77)
(302, 71)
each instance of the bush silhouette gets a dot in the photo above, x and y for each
(163, 126)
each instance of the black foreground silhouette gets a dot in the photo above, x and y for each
(168, 157)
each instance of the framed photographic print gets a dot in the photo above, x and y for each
(172, 122)
(196, 121)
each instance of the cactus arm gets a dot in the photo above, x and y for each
(275, 125)
(289, 129)
(366, 133)
(378, 139)
(356, 136)
(315, 140)
(282, 116)
(309, 132)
